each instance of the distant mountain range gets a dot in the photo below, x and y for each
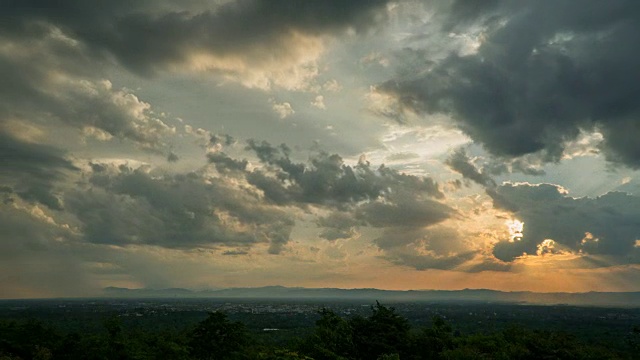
(620, 299)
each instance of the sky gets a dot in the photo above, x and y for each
(321, 143)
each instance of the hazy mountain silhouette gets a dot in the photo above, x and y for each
(623, 299)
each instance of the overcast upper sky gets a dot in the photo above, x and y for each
(319, 143)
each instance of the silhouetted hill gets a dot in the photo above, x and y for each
(621, 299)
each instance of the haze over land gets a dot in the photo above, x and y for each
(326, 144)
(442, 297)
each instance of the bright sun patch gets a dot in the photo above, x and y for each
(545, 247)
(515, 228)
(589, 238)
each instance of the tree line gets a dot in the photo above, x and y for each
(383, 335)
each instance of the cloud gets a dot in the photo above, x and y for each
(481, 170)
(338, 225)
(423, 248)
(222, 139)
(283, 110)
(258, 42)
(118, 113)
(31, 170)
(234, 252)
(600, 226)
(356, 196)
(225, 164)
(404, 210)
(55, 58)
(127, 206)
(426, 262)
(172, 157)
(248, 205)
(352, 197)
(50, 83)
(544, 73)
(445, 246)
(92, 189)
(327, 180)
(318, 102)
(402, 156)
(37, 255)
(332, 85)
(461, 163)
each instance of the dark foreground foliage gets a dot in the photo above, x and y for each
(383, 335)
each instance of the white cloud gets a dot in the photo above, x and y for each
(283, 110)
(375, 58)
(332, 85)
(318, 102)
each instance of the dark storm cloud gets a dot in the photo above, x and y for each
(30, 170)
(148, 35)
(358, 196)
(125, 206)
(404, 210)
(24, 233)
(225, 164)
(234, 252)
(425, 262)
(37, 257)
(176, 211)
(172, 157)
(482, 172)
(549, 213)
(461, 163)
(355, 196)
(272, 188)
(544, 71)
(521, 165)
(54, 54)
(328, 180)
(49, 80)
(221, 139)
(338, 225)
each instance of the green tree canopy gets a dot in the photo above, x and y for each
(217, 337)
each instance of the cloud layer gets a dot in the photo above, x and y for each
(116, 169)
(260, 43)
(604, 225)
(543, 72)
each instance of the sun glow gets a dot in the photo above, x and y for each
(547, 246)
(515, 228)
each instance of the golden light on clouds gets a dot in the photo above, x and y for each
(588, 237)
(515, 228)
(547, 246)
(331, 144)
(290, 63)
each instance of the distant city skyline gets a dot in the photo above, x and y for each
(410, 144)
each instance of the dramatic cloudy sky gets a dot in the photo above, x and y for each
(319, 143)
